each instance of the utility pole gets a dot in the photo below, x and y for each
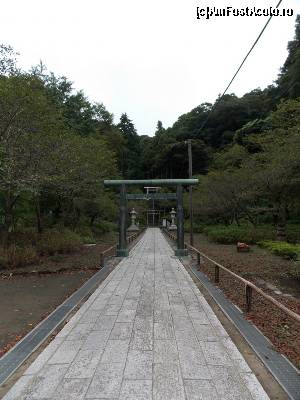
(191, 191)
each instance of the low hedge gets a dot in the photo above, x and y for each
(234, 233)
(283, 249)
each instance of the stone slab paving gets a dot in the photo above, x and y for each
(146, 333)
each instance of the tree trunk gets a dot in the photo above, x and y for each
(39, 225)
(8, 217)
(236, 218)
(76, 216)
(281, 224)
(275, 219)
(92, 220)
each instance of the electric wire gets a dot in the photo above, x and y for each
(239, 68)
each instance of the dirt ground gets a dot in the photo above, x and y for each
(26, 300)
(271, 273)
(28, 295)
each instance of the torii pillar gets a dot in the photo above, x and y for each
(180, 251)
(122, 250)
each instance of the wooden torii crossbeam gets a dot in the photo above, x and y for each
(122, 250)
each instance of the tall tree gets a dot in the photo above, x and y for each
(28, 122)
(8, 62)
(159, 129)
(131, 166)
(289, 78)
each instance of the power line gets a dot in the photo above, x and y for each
(239, 68)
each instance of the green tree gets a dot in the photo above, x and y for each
(159, 129)
(173, 159)
(131, 166)
(78, 182)
(276, 179)
(8, 62)
(28, 122)
(289, 78)
(226, 197)
(230, 158)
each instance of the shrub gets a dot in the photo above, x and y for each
(57, 258)
(234, 233)
(282, 249)
(58, 241)
(24, 237)
(16, 256)
(197, 228)
(104, 227)
(86, 234)
(293, 233)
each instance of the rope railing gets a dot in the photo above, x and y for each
(249, 286)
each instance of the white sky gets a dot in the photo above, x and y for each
(151, 59)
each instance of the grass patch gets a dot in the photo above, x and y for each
(283, 249)
(233, 233)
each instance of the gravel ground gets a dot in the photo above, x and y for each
(271, 273)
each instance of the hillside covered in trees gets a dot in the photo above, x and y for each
(57, 147)
(245, 153)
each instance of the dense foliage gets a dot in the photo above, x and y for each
(55, 150)
(245, 153)
(56, 147)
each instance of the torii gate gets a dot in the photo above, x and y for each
(122, 250)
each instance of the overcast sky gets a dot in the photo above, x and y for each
(151, 59)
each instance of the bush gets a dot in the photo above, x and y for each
(86, 234)
(197, 228)
(234, 233)
(22, 238)
(58, 241)
(104, 227)
(282, 249)
(293, 233)
(16, 256)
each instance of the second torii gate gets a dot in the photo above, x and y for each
(122, 250)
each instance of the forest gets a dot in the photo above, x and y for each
(57, 147)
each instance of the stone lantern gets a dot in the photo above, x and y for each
(173, 226)
(133, 227)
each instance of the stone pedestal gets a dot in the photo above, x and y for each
(122, 253)
(173, 226)
(181, 252)
(133, 227)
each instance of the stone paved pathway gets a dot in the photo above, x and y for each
(146, 333)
